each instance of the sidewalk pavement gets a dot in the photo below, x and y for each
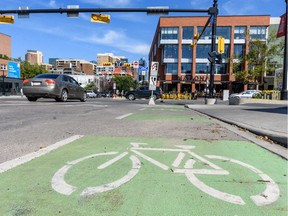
(261, 117)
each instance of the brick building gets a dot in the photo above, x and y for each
(183, 68)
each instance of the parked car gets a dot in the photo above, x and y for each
(61, 87)
(91, 94)
(143, 92)
(245, 94)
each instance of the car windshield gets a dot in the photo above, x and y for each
(49, 76)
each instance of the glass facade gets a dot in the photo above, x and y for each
(187, 52)
(239, 32)
(202, 68)
(186, 68)
(171, 68)
(224, 31)
(258, 32)
(187, 33)
(170, 51)
(239, 51)
(170, 33)
(202, 50)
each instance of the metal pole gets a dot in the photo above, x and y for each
(3, 82)
(213, 45)
(284, 95)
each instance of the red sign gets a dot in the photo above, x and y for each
(282, 30)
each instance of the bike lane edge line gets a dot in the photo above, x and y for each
(28, 157)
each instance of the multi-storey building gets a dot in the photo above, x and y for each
(34, 57)
(77, 65)
(183, 68)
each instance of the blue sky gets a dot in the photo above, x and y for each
(128, 34)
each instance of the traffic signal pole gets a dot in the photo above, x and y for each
(214, 13)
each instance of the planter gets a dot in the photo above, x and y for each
(210, 101)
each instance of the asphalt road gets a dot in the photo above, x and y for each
(132, 159)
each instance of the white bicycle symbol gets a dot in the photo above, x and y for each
(268, 196)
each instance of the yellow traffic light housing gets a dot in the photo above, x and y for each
(107, 63)
(6, 19)
(196, 36)
(221, 45)
(193, 44)
(102, 18)
(127, 65)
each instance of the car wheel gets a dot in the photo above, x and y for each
(154, 97)
(32, 99)
(64, 95)
(131, 97)
(84, 97)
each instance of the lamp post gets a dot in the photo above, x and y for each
(284, 95)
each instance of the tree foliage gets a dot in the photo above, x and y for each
(4, 57)
(29, 71)
(260, 59)
(124, 83)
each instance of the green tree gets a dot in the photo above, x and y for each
(29, 71)
(124, 83)
(260, 60)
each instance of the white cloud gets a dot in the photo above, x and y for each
(117, 40)
(52, 3)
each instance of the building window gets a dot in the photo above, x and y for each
(240, 32)
(239, 51)
(169, 33)
(258, 32)
(202, 50)
(207, 34)
(170, 51)
(186, 68)
(224, 31)
(171, 68)
(202, 68)
(186, 51)
(221, 69)
(187, 33)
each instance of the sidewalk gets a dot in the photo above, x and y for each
(262, 117)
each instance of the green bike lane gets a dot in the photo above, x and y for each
(96, 175)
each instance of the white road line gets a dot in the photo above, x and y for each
(24, 159)
(110, 162)
(124, 116)
(179, 159)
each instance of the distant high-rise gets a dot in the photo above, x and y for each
(34, 57)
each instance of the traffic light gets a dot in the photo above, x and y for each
(196, 36)
(216, 58)
(212, 56)
(6, 19)
(127, 65)
(221, 45)
(193, 44)
(107, 64)
(102, 18)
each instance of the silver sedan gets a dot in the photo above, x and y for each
(61, 87)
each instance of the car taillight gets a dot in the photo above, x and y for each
(26, 81)
(50, 82)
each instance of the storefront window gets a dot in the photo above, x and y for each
(221, 69)
(202, 68)
(224, 31)
(186, 68)
(170, 51)
(171, 68)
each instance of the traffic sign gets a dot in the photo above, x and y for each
(154, 69)
(152, 83)
(135, 64)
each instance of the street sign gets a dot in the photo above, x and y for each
(152, 83)
(135, 64)
(154, 69)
